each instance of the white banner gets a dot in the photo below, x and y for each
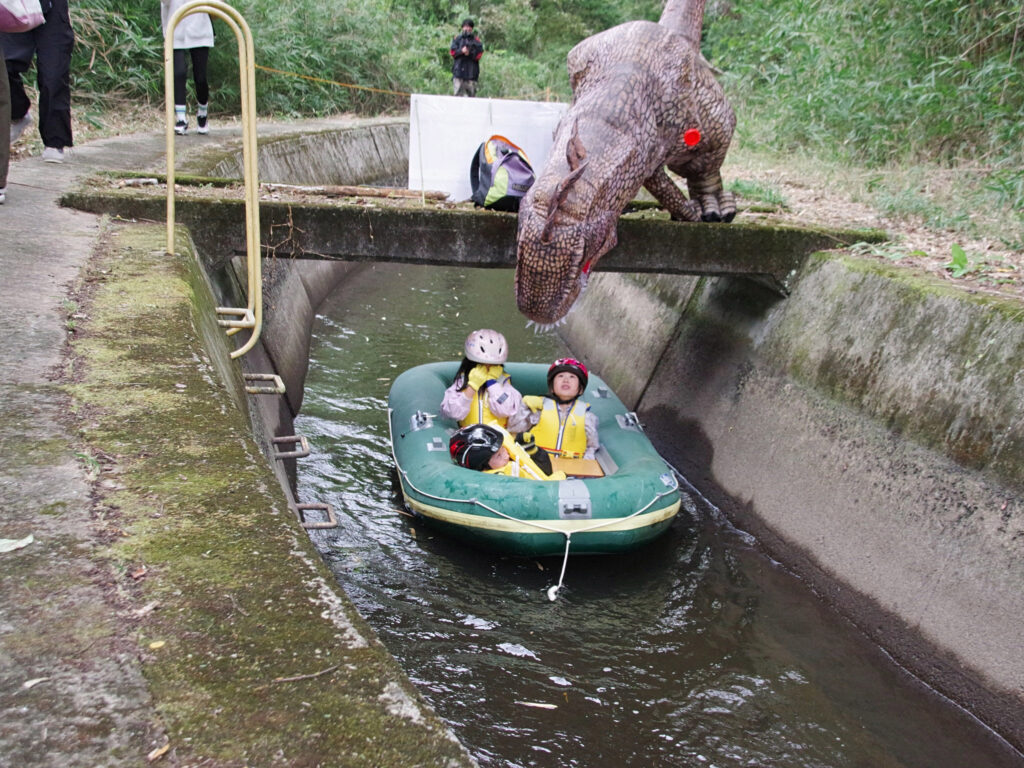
(445, 132)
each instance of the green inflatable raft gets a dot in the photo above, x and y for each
(632, 504)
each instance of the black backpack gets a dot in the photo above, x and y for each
(500, 174)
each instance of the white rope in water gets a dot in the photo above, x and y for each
(552, 592)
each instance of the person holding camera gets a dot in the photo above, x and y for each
(466, 50)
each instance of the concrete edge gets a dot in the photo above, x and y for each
(240, 621)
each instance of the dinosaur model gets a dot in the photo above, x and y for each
(643, 99)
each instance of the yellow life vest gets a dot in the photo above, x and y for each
(479, 408)
(558, 433)
(521, 464)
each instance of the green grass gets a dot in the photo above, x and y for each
(875, 83)
(757, 192)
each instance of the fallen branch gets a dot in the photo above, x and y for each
(306, 677)
(347, 191)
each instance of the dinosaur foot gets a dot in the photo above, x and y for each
(720, 207)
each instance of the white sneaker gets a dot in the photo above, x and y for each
(53, 155)
(18, 126)
(181, 127)
(203, 124)
(3, 194)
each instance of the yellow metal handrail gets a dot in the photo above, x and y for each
(252, 314)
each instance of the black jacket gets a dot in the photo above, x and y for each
(466, 67)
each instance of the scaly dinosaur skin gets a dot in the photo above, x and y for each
(639, 91)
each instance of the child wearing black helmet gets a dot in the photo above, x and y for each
(481, 392)
(561, 423)
(490, 449)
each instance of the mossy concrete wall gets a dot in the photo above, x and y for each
(250, 655)
(869, 429)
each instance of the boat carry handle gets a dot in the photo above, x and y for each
(421, 420)
(629, 421)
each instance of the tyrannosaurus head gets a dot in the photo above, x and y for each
(560, 239)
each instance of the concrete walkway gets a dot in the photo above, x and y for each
(65, 668)
(72, 688)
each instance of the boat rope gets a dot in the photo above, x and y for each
(552, 591)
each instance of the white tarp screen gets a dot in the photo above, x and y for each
(445, 131)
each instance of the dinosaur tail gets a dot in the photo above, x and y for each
(685, 18)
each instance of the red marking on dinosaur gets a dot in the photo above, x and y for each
(691, 137)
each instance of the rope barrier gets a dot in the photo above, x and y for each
(330, 82)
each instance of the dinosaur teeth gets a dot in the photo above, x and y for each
(539, 328)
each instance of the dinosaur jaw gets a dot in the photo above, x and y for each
(546, 299)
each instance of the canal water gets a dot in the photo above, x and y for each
(695, 651)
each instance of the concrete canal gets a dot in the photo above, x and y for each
(868, 432)
(699, 650)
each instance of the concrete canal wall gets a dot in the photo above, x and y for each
(869, 428)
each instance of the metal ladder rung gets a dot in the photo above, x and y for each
(248, 319)
(330, 522)
(302, 451)
(277, 389)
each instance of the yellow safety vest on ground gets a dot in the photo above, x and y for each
(558, 433)
(479, 409)
(521, 465)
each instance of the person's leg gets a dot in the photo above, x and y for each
(5, 125)
(18, 52)
(471, 88)
(180, 94)
(457, 86)
(54, 41)
(200, 59)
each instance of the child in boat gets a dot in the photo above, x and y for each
(490, 449)
(561, 423)
(481, 392)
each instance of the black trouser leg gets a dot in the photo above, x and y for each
(5, 121)
(200, 59)
(180, 75)
(54, 41)
(18, 52)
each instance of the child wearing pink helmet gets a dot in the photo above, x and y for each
(561, 423)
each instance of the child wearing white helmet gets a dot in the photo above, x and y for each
(481, 392)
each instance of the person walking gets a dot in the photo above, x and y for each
(466, 50)
(51, 44)
(192, 36)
